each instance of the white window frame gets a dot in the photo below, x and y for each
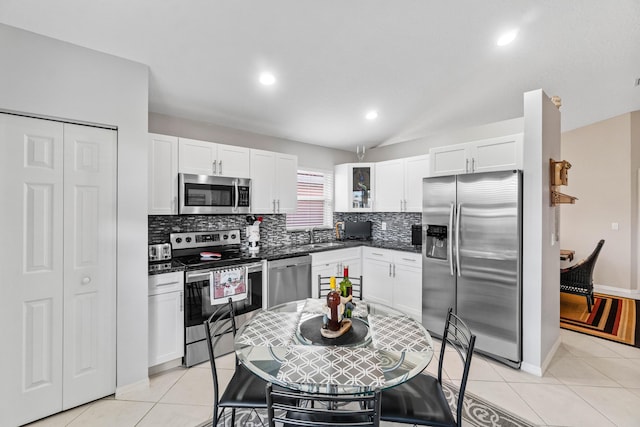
(327, 198)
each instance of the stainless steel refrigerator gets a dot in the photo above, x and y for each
(472, 258)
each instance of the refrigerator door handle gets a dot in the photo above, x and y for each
(458, 238)
(450, 238)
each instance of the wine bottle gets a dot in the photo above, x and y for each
(345, 284)
(333, 302)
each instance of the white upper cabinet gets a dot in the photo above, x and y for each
(399, 184)
(501, 153)
(210, 158)
(354, 187)
(274, 182)
(163, 175)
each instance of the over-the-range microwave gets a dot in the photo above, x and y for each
(204, 194)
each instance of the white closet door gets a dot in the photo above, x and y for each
(31, 269)
(89, 264)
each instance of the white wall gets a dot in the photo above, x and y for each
(47, 77)
(603, 177)
(541, 254)
(312, 156)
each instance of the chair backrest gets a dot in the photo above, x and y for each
(457, 335)
(356, 285)
(590, 261)
(219, 324)
(318, 409)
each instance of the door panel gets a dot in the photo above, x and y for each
(438, 284)
(489, 285)
(89, 293)
(31, 269)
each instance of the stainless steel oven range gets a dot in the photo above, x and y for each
(214, 271)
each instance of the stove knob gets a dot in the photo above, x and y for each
(179, 240)
(188, 239)
(233, 237)
(225, 237)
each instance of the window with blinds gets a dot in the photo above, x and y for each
(315, 200)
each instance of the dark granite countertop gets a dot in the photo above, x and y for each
(272, 253)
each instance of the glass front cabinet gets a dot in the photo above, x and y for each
(354, 190)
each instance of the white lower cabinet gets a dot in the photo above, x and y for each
(332, 263)
(393, 278)
(166, 317)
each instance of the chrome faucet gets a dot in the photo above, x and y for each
(312, 239)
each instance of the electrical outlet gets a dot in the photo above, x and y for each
(614, 226)
(383, 226)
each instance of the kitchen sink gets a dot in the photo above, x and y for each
(322, 245)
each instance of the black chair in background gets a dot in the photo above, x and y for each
(245, 390)
(578, 278)
(421, 400)
(356, 285)
(362, 409)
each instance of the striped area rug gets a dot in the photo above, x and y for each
(612, 318)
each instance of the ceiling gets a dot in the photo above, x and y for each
(426, 66)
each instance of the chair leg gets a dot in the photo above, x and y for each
(233, 416)
(589, 302)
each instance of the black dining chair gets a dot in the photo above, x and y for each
(245, 390)
(319, 409)
(578, 278)
(356, 285)
(422, 400)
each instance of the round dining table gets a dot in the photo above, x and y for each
(284, 345)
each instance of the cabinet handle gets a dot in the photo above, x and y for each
(86, 280)
(390, 271)
(394, 270)
(274, 205)
(473, 165)
(220, 168)
(214, 167)
(409, 259)
(278, 205)
(181, 301)
(376, 254)
(466, 166)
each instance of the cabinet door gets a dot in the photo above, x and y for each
(407, 290)
(163, 175)
(286, 178)
(262, 181)
(233, 161)
(389, 186)
(449, 160)
(197, 157)
(495, 154)
(166, 327)
(377, 283)
(415, 169)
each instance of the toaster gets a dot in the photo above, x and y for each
(160, 252)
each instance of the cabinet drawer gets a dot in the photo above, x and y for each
(336, 255)
(378, 254)
(408, 259)
(167, 282)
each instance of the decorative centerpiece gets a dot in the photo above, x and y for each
(333, 323)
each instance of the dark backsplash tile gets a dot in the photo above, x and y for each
(273, 230)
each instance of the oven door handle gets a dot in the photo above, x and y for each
(194, 275)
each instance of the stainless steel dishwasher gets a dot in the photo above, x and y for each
(289, 279)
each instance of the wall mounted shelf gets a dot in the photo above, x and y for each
(558, 175)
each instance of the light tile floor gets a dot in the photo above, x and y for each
(590, 382)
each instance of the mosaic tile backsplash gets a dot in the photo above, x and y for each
(273, 231)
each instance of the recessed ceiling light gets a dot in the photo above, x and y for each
(507, 37)
(371, 115)
(267, 78)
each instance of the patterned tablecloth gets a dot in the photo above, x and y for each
(398, 349)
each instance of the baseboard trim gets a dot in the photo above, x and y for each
(618, 292)
(139, 385)
(539, 370)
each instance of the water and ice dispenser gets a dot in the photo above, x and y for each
(436, 241)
